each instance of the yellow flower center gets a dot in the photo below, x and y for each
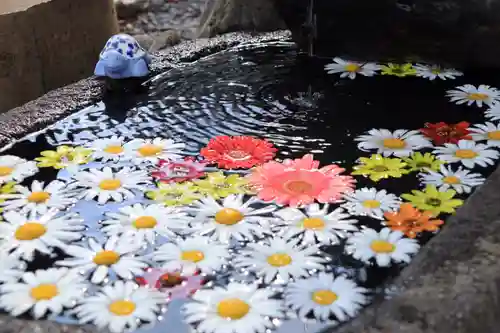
(380, 168)
(194, 256)
(110, 184)
(422, 165)
(145, 222)
(478, 96)
(30, 231)
(122, 308)
(113, 149)
(313, 223)
(279, 260)
(494, 135)
(372, 204)
(5, 171)
(465, 153)
(381, 246)
(433, 202)
(451, 180)
(436, 70)
(38, 197)
(324, 297)
(393, 143)
(298, 186)
(150, 150)
(352, 68)
(44, 292)
(106, 258)
(228, 216)
(233, 308)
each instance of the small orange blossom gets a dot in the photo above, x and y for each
(411, 221)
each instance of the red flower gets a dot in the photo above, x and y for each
(442, 132)
(179, 171)
(238, 151)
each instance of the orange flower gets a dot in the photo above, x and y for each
(411, 221)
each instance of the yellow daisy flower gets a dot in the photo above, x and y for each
(420, 162)
(64, 157)
(377, 167)
(174, 194)
(398, 70)
(6, 189)
(430, 199)
(217, 185)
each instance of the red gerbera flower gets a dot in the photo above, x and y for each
(442, 132)
(238, 151)
(179, 171)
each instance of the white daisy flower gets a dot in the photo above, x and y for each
(108, 149)
(384, 246)
(493, 113)
(107, 184)
(24, 234)
(147, 150)
(315, 224)
(281, 260)
(11, 267)
(117, 255)
(370, 202)
(121, 307)
(238, 308)
(460, 180)
(351, 68)
(232, 219)
(488, 132)
(13, 168)
(432, 72)
(470, 95)
(192, 254)
(43, 291)
(143, 223)
(326, 295)
(39, 198)
(468, 152)
(398, 143)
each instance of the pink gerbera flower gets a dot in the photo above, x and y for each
(179, 171)
(299, 182)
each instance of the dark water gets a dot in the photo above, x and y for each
(271, 93)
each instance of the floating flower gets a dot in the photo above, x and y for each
(411, 221)
(116, 255)
(351, 68)
(432, 72)
(384, 246)
(280, 260)
(237, 308)
(7, 188)
(64, 157)
(299, 182)
(107, 184)
(143, 223)
(174, 194)
(469, 94)
(121, 307)
(442, 132)
(39, 198)
(377, 167)
(398, 70)
(315, 224)
(469, 153)
(147, 150)
(219, 186)
(11, 267)
(13, 168)
(325, 296)
(22, 235)
(108, 149)
(231, 219)
(430, 199)
(488, 132)
(460, 180)
(238, 151)
(43, 291)
(421, 162)
(493, 113)
(190, 255)
(178, 171)
(398, 143)
(370, 202)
